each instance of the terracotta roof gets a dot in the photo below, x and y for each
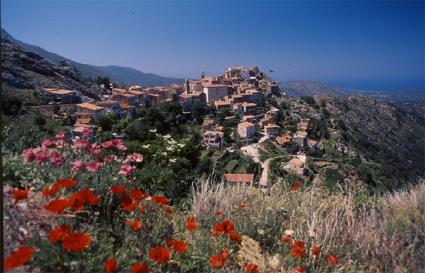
(214, 133)
(239, 177)
(216, 85)
(208, 122)
(90, 106)
(296, 161)
(119, 90)
(249, 104)
(125, 106)
(83, 121)
(283, 139)
(106, 102)
(301, 134)
(246, 124)
(221, 103)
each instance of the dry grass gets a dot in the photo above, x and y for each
(369, 233)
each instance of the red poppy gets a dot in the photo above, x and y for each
(143, 208)
(59, 233)
(111, 265)
(19, 195)
(57, 205)
(76, 241)
(119, 189)
(296, 186)
(315, 250)
(179, 246)
(140, 268)
(234, 236)
(135, 225)
(130, 207)
(90, 196)
(125, 200)
(138, 194)
(191, 223)
(242, 206)
(250, 267)
(51, 190)
(67, 182)
(19, 257)
(160, 200)
(218, 213)
(299, 269)
(219, 259)
(332, 260)
(78, 199)
(159, 254)
(299, 244)
(223, 227)
(286, 239)
(167, 209)
(169, 242)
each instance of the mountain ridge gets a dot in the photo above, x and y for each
(125, 76)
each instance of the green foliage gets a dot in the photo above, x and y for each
(106, 122)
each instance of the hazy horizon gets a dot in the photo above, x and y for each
(349, 43)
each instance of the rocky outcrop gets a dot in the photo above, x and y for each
(25, 69)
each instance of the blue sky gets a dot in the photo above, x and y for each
(334, 41)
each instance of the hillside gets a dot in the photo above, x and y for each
(27, 70)
(121, 75)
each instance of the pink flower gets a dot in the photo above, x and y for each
(60, 143)
(28, 155)
(93, 166)
(56, 159)
(77, 166)
(107, 144)
(135, 157)
(41, 156)
(60, 135)
(80, 143)
(87, 132)
(48, 143)
(126, 169)
(110, 158)
(122, 147)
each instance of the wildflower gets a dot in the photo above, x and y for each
(80, 198)
(234, 236)
(296, 186)
(191, 223)
(93, 166)
(332, 260)
(19, 257)
(315, 250)
(56, 159)
(135, 157)
(250, 267)
(261, 231)
(179, 246)
(142, 209)
(286, 239)
(218, 212)
(118, 189)
(167, 209)
(224, 227)
(60, 135)
(57, 205)
(60, 143)
(297, 250)
(110, 265)
(28, 155)
(160, 200)
(289, 232)
(19, 195)
(67, 182)
(219, 259)
(299, 269)
(173, 160)
(242, 206)
(48, 143)
(140, 268)
(77, 166)
(87, 132)
(41, 156)
(76, 241)
(126, 169)
(138, 194)
(159, 254)
(59, 233)
(299, 244)
(128, 207)
(135, 225)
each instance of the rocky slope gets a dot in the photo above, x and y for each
(382, 133)
(27, 70)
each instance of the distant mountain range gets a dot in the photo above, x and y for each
(125, 76)
(312, 88)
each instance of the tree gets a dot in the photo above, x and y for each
(106, 121)
(39, 120)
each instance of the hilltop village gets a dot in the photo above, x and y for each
(248, 115)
